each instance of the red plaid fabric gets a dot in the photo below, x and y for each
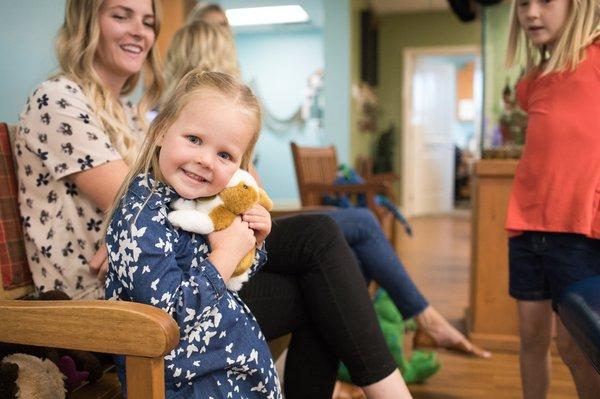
(13, 260)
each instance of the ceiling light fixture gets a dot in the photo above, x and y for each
(266, 15)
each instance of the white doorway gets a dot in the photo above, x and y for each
(432, 116)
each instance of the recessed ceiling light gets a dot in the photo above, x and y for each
(266, 15)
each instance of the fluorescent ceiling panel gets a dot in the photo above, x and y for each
(266, 15)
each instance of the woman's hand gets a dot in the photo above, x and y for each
(230, 245)
(259, 220)
(99, 263)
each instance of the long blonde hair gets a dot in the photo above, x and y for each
(201, 10)
(201, 45)
(195, 83)
(76, 46)
(581, 29)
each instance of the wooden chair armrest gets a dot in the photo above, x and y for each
(118, 327)
(387, 177)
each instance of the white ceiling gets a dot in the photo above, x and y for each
(398, 6)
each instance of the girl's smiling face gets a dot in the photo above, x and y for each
(203, 148)
(126, 37)
(543, 20)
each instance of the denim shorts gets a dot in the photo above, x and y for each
(543, 264)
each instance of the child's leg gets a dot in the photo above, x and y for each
(535, 330)
(529, 286)
(587, 380)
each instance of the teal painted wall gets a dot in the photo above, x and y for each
(278, 64)
(27, 31)
(337, 76)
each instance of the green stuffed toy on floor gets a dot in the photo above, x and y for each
(421, 364)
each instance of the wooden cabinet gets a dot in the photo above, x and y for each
(493, 321)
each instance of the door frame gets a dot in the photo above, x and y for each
(409, 57)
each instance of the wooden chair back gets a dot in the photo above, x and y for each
(16, 279)
(316, 169)
(314, 165)
(143, 333)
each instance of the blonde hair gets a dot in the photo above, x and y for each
(194, 84)
(581, 29)
(201, 10)
(200, 45)
(76, 46)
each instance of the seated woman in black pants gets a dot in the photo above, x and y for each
(312, 287)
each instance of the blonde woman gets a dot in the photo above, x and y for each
(77, 137)
(554, 213)
(199, 44)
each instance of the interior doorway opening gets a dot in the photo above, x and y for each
(441, 127)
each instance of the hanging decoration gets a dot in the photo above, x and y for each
(312, 108)
(368, 105)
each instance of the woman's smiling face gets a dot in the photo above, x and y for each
(126, 37)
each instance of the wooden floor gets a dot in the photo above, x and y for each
(437, 258)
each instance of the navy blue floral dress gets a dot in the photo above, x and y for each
(222, 352)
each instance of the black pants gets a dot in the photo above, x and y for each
(312, 287)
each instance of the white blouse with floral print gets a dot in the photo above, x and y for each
(59, 135)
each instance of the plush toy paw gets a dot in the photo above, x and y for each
(235, 283)
(66, 364)
(191, 220)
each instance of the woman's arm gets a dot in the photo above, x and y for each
(101, 184)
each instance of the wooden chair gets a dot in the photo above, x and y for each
(316, 169)
(143, 333)
(364, 167)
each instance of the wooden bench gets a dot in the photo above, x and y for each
(143, 333)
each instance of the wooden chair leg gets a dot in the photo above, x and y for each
(145, 377)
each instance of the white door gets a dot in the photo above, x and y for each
(431, 118)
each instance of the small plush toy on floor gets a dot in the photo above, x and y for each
(205, 215)
(420, 366)
(35, 378)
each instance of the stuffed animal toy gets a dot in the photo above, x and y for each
(76, 366)
(205, 215)
(416, 369)
(32, 378)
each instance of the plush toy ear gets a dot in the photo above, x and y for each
(9, 372)
(264, 200)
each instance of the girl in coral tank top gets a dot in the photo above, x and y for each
(553, 215)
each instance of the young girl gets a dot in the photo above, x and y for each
(553, 214)
(205, 132)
